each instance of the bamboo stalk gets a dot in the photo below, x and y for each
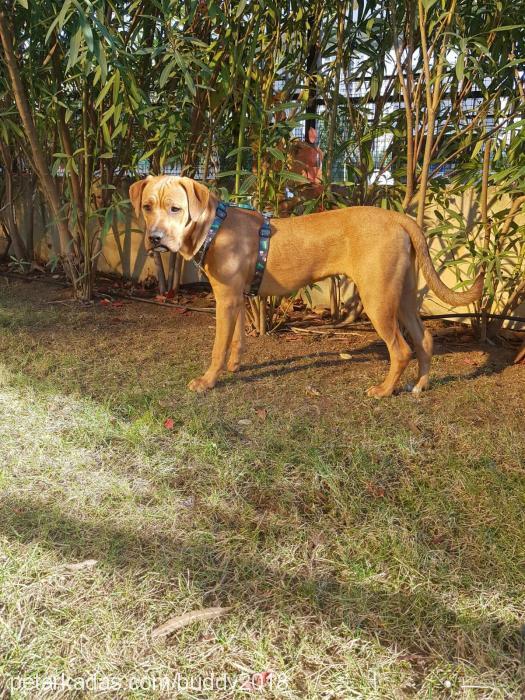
(432, 99)
(161, 277)
(262, 315)
(171, 270)
(179, 267)
(244, 105)
(485, 304)
(332, 124)
(407, 101)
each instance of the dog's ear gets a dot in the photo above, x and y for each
(198, 197)
(135, 194)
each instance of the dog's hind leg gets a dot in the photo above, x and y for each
(237, 345)
(421, 337)
(384, 320)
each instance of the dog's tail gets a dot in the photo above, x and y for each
(436, 285)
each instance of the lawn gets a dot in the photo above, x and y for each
(363, 548)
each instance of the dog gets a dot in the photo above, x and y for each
(376, 248)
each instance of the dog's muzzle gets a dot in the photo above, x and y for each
(155, 238)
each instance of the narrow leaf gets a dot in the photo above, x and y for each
(177, 623)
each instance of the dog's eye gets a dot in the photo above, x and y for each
(147, 207)
(174, 210)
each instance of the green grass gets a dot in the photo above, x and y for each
(367, 549)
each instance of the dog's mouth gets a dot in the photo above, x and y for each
(158, 249)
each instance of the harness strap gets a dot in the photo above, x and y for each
(262, 255)
(220, 215)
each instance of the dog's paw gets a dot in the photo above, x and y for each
(421, 386)
(378, 392)
(233, 366)
(200, 385)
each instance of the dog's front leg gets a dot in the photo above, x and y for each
(226, 317)
(237, 344)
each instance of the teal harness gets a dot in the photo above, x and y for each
(264, 245)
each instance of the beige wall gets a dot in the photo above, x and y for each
(123, 251)
(468, 207)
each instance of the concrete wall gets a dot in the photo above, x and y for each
(123, 251)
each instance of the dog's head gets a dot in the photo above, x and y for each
(174, 210)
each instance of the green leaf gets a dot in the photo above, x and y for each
(106, 134)
(116, 85)
(276, 153)
(294, 177)
(190, 83)
(100, 54)
(74, 47)
(237, 150)
(59, 19)
(88, 33)
(104, 91)
(118, 112)
(460, 67)
(507, 28)
(24, 4)
(166, 73)
(248, 183)
(240, 9)
(108, 114)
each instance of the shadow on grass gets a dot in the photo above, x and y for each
(495, 362)
(416, 622)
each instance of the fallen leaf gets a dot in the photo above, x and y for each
(345, 356)
(105, 302)
(245, 421)
(169, 423)
(160, 298)
(412, 426)
(258, 681)
(261, 413)
(312, 391)
(170, 294)
(375, 490)
(79, 566)
(177, 623)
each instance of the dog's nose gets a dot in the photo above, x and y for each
(156, 237)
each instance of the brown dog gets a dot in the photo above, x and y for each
(374, 247)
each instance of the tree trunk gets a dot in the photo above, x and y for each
(47, 183)
(9, 210)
